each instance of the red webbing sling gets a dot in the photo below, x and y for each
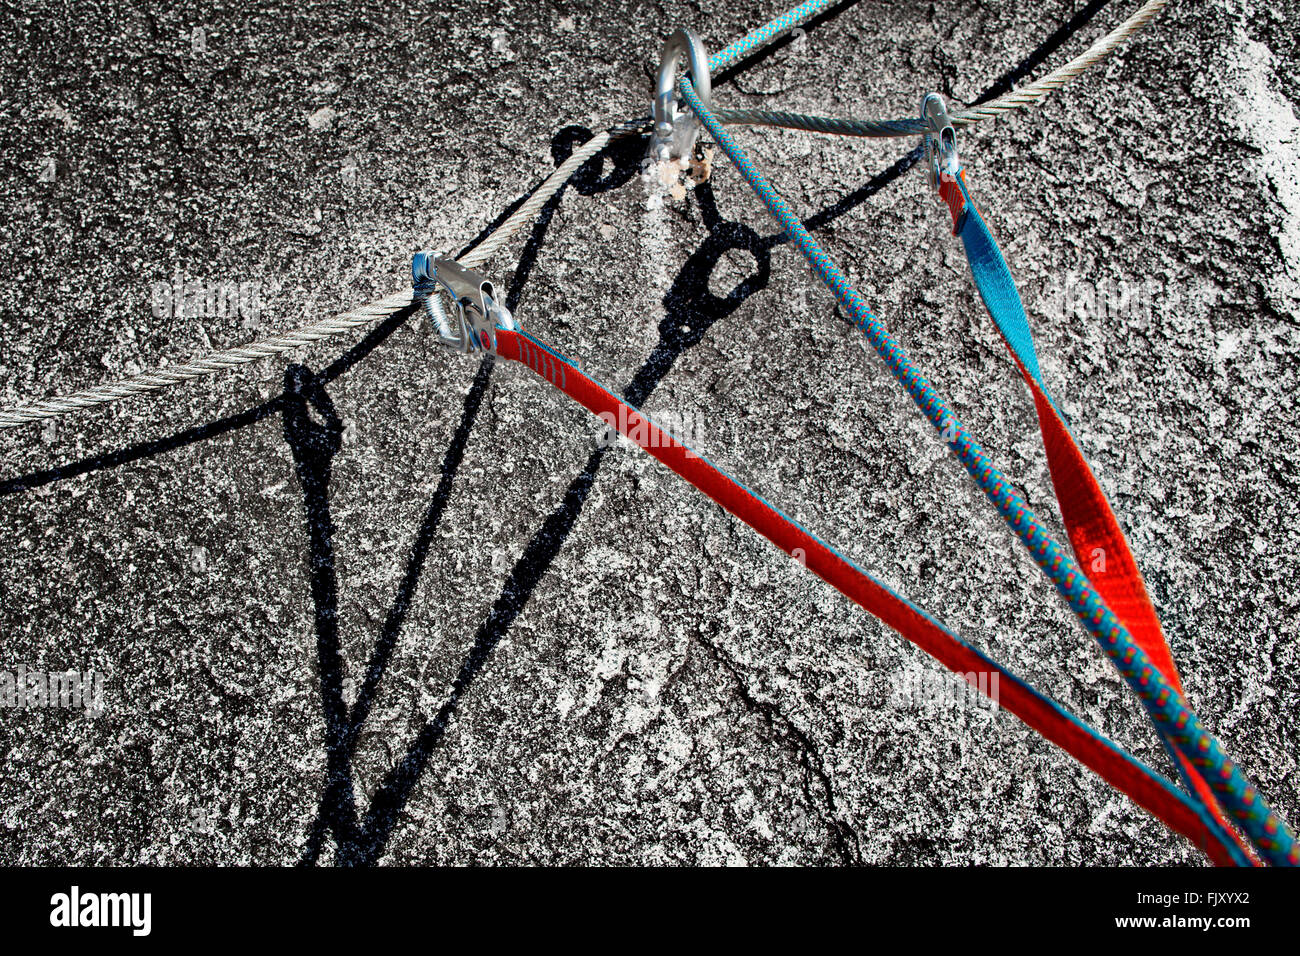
(1099, 544)
(1148, 789)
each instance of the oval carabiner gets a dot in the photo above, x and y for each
(675, 129)
(686, 43)
(940, 139)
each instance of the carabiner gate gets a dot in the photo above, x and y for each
(477, 313)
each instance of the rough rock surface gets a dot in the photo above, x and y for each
(640, 678)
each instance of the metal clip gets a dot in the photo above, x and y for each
(477, 316)
(675, 128)
(940, 140)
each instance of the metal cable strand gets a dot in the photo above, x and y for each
(366, 315)
(821, 124)
(1034, 92)
(1027, 95)
(207, 365)
(542, 195)
(384, 308)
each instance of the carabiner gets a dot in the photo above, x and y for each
(478, 315)
(675, 129)
(940, 140)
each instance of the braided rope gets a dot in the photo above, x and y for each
(1027, 95)
(1169, 711)
(767, 32)
(366, 315)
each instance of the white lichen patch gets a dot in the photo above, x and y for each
(323, 118)
(1267, 120)
(654, 236)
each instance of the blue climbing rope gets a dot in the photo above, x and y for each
(764, 34)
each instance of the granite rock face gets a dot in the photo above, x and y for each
(383, 603)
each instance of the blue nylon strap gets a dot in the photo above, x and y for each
(997, 288)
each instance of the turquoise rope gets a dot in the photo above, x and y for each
(1169, 712)
(764, 34)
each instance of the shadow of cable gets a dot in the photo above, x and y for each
(361, 841)
(691, 309)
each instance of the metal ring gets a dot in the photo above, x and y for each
(940, 138)
(682, 42)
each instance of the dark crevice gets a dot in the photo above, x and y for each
(817, 786)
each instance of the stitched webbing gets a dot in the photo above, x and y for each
(1095, 534)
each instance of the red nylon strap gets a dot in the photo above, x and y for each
(1103, 552)
(951, 193)
(959, 657)
(1095, 535)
